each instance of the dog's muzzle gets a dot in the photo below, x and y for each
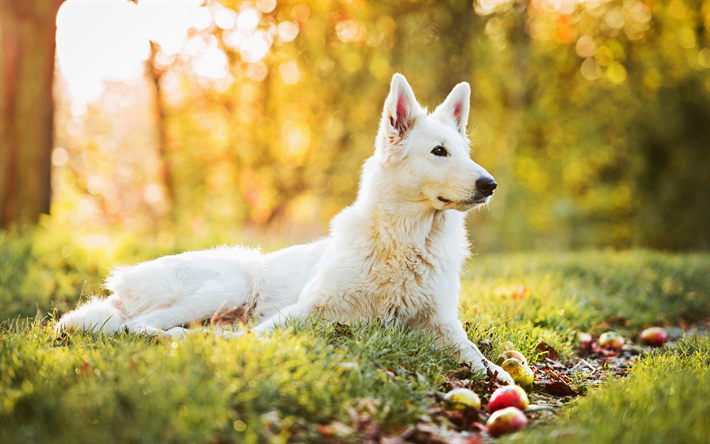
(481, 194)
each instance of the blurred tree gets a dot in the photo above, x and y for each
(26, 125)
(155, 72)
(591, 114)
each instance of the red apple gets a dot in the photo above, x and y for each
(507, 420)
(508, 396)
(655, 336)
(514, 354)
(458, 399)
(611, 340)
(585, 339)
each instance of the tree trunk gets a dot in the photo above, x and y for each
(166, 163)
(27, 41)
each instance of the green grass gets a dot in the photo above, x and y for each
(127, 388)
(131, 389)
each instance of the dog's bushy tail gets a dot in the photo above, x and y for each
(97, 314)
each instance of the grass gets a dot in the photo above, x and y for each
(131, 389)
(128, 388)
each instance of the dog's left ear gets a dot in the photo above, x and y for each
(454, 110)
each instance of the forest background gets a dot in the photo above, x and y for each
(255, 117)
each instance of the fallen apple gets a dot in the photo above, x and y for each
(611, 340)
(506, 420)
(514, 354)
(655, 336)
(460, 398)
(585, 339)
(508, 345)
(520, 372)
(508, 396)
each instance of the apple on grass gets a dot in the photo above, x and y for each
(508, 396)
(585, 339)
(521, 373)
(654, 336)
(460, 398)
(506, 420)
(514, 354)
(611, 340)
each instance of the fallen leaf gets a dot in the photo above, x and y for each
(547, 350)
(554, 364)
(558, 388)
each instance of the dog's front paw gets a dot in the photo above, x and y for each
(502, 376)
(486, 367)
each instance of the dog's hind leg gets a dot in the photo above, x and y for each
(97, 314)
(202, 304)
(309, 300)
(175, 332)
(296, 310)
(292, 311)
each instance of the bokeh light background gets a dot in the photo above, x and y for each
(594, 116)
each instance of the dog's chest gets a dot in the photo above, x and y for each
(400, 285)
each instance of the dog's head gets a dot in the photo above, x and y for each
(427, 156)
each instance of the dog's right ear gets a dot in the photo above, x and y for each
(398, 117)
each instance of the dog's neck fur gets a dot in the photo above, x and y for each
(390, 225)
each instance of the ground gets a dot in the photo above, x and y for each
(317, 381)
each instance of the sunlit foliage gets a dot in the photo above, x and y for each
(592, 116)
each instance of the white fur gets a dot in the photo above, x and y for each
(395, 254)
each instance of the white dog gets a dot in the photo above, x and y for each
(395, 254)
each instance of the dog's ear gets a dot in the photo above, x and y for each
(454, 110)
(400, 113)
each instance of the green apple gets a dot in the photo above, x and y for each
(460, 398)
(520, 372)
(514, 354)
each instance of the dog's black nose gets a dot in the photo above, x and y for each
(486, 186)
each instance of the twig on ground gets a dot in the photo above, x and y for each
(587, 364)
(381, 367)
(539, 408)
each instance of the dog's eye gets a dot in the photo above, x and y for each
(440, 151)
